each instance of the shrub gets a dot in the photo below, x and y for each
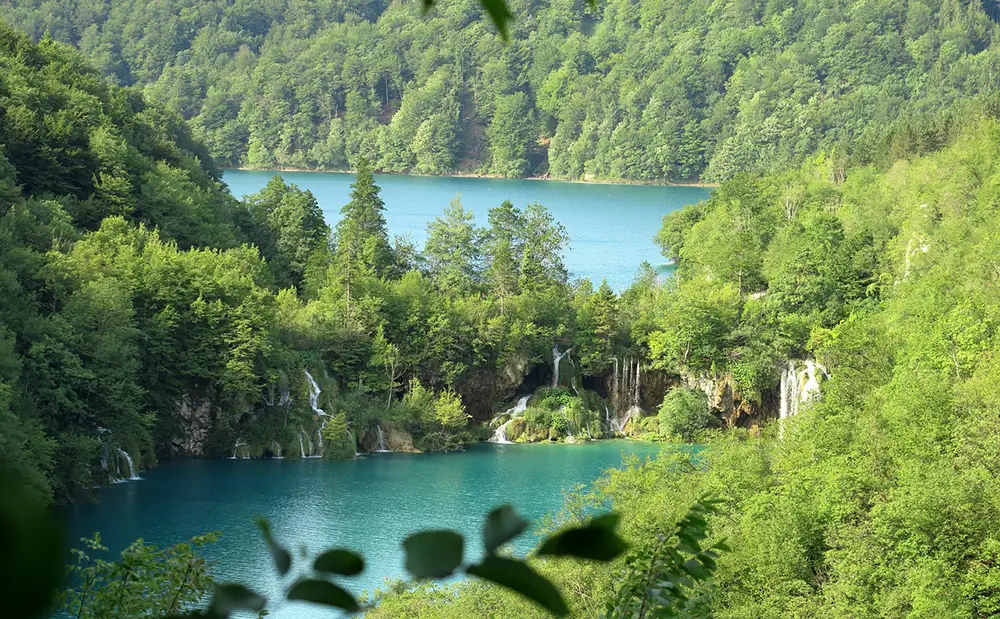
(553, 399)
(685, 413)
(558, 425)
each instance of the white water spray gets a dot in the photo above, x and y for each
(128, 460)
(314, 392)
(556, 358)
(500, 434)
(799, 386)
(383, 446)
(236, 449)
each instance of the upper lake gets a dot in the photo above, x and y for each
(611, 227)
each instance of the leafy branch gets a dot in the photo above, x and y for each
(434, 555)
(669, 577)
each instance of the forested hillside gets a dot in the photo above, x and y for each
(879, 498)
(657, 90)
(148, 313)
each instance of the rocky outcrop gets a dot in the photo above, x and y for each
(799, 385)
(390, 438)
(194, 418)
(724, 398)
(397, 440)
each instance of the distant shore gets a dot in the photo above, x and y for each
(584, 181)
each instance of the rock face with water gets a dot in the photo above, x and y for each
(385, 437)
(502, 421)
(314, 392)
(800, 386)
(625, 392)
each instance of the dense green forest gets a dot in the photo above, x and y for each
(151, 314)
(830, 337)
(878, 500)
(622, 90)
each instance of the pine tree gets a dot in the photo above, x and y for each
(503, 250)
(362, 238)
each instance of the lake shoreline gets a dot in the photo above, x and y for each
(483, 176)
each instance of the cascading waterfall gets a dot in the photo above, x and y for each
(500, 434)
(383, 446)
(314, 392)
(557, 357)
(277, 450)
(128, 460)
(246, 453)
(111, 459)
(303, 441)
(626, 383)
(799, 385)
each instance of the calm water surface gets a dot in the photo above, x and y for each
(369, 504)
(611, 227)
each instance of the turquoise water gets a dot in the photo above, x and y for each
(611, 227)
(368, 504)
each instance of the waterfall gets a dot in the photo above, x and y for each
(314, 392)
(625, 393)
(306, 445)
(500, 434)
(799, 386)
(621, 423)
(614, 382)
(128, 459)
(638, 379)
(383, 447)
(286, 397)
(246, 453)
(556, 358)
(111, 461)
(350, 439)
(277, 450)
(626, 383)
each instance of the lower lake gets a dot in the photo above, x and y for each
(611, 227)
(368, 504)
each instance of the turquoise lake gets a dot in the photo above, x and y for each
(368, 504)
(611, 227)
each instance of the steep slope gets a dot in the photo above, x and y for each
(652, 90)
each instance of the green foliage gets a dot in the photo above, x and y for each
(33, 549)
(564, 90)
(338, 442)
(289, 229)
(671, 575)
(362, 242)
(145, 581)
(452, 250)
(684, 413)
(433, 554)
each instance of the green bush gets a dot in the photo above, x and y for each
(558, 425)
(685, 414)
(538, 417)
(553, 398)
